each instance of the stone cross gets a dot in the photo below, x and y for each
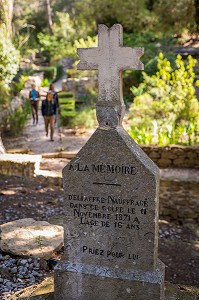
(111, 190)
(110, 58)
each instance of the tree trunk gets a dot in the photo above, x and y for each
(196, 3)
(2, 149)
(6, 13)
(50, 23)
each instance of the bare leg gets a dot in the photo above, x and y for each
(33, 113)
(46, 122)
(36, 111)
(52, 125)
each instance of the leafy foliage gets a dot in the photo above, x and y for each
(181, 15)
(19, 85)
(60, 44)
(152, 44)
(67, 107)
(45, 82)
(60, 71)
(50, 73)
(165, 109)
(9, 59)
(85, 118)
(52, 46)
(4, 94)
(15, 122)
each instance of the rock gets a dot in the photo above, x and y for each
(154, 154)
(14, 270)
(23, 262)
(27, 237)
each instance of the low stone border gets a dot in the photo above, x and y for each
(165, 157)
(173, 156)
(19, 164)
(68, 155)
(179, 187)
(44, 291)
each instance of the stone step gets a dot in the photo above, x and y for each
(44, 291)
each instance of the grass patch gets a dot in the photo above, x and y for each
(85, 118)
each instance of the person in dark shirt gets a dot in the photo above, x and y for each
(56, 98)
(34, 97)
(48, 109)
(55, 94)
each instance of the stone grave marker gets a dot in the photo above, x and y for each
(111, 196)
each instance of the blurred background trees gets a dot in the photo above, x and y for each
(70, 20)
(49, 30)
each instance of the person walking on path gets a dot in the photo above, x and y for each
(48, 109)
(34, 97)
(55, 94)
(56, 98)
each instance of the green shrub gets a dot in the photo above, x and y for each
(51, 46)
(18, 85)
(66, 95)
(67, 109)
(152, 44)
(15, 122)
(9, 59)
(65, 112)
(50, 73)
(165, 109)
(85, 118)
(60, 71)
(66, 100)
(24, 72)
(45, 82)
(74, 73)
(4, 94)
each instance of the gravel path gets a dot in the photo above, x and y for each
(34, 139)
(18, 273)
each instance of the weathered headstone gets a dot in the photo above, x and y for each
(111, 196)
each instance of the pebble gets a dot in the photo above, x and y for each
(8, 284)
(23, 273)
(23, 262)
(14, 270)
(25, 269)
(35, 273)
(6, 257)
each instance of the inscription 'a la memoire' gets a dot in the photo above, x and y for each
(103, 168)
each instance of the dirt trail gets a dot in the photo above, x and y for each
(34, 138)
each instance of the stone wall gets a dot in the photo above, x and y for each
(79, 86)
(179, 200)
(173, 156)
(179, 187)
(19, 164)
